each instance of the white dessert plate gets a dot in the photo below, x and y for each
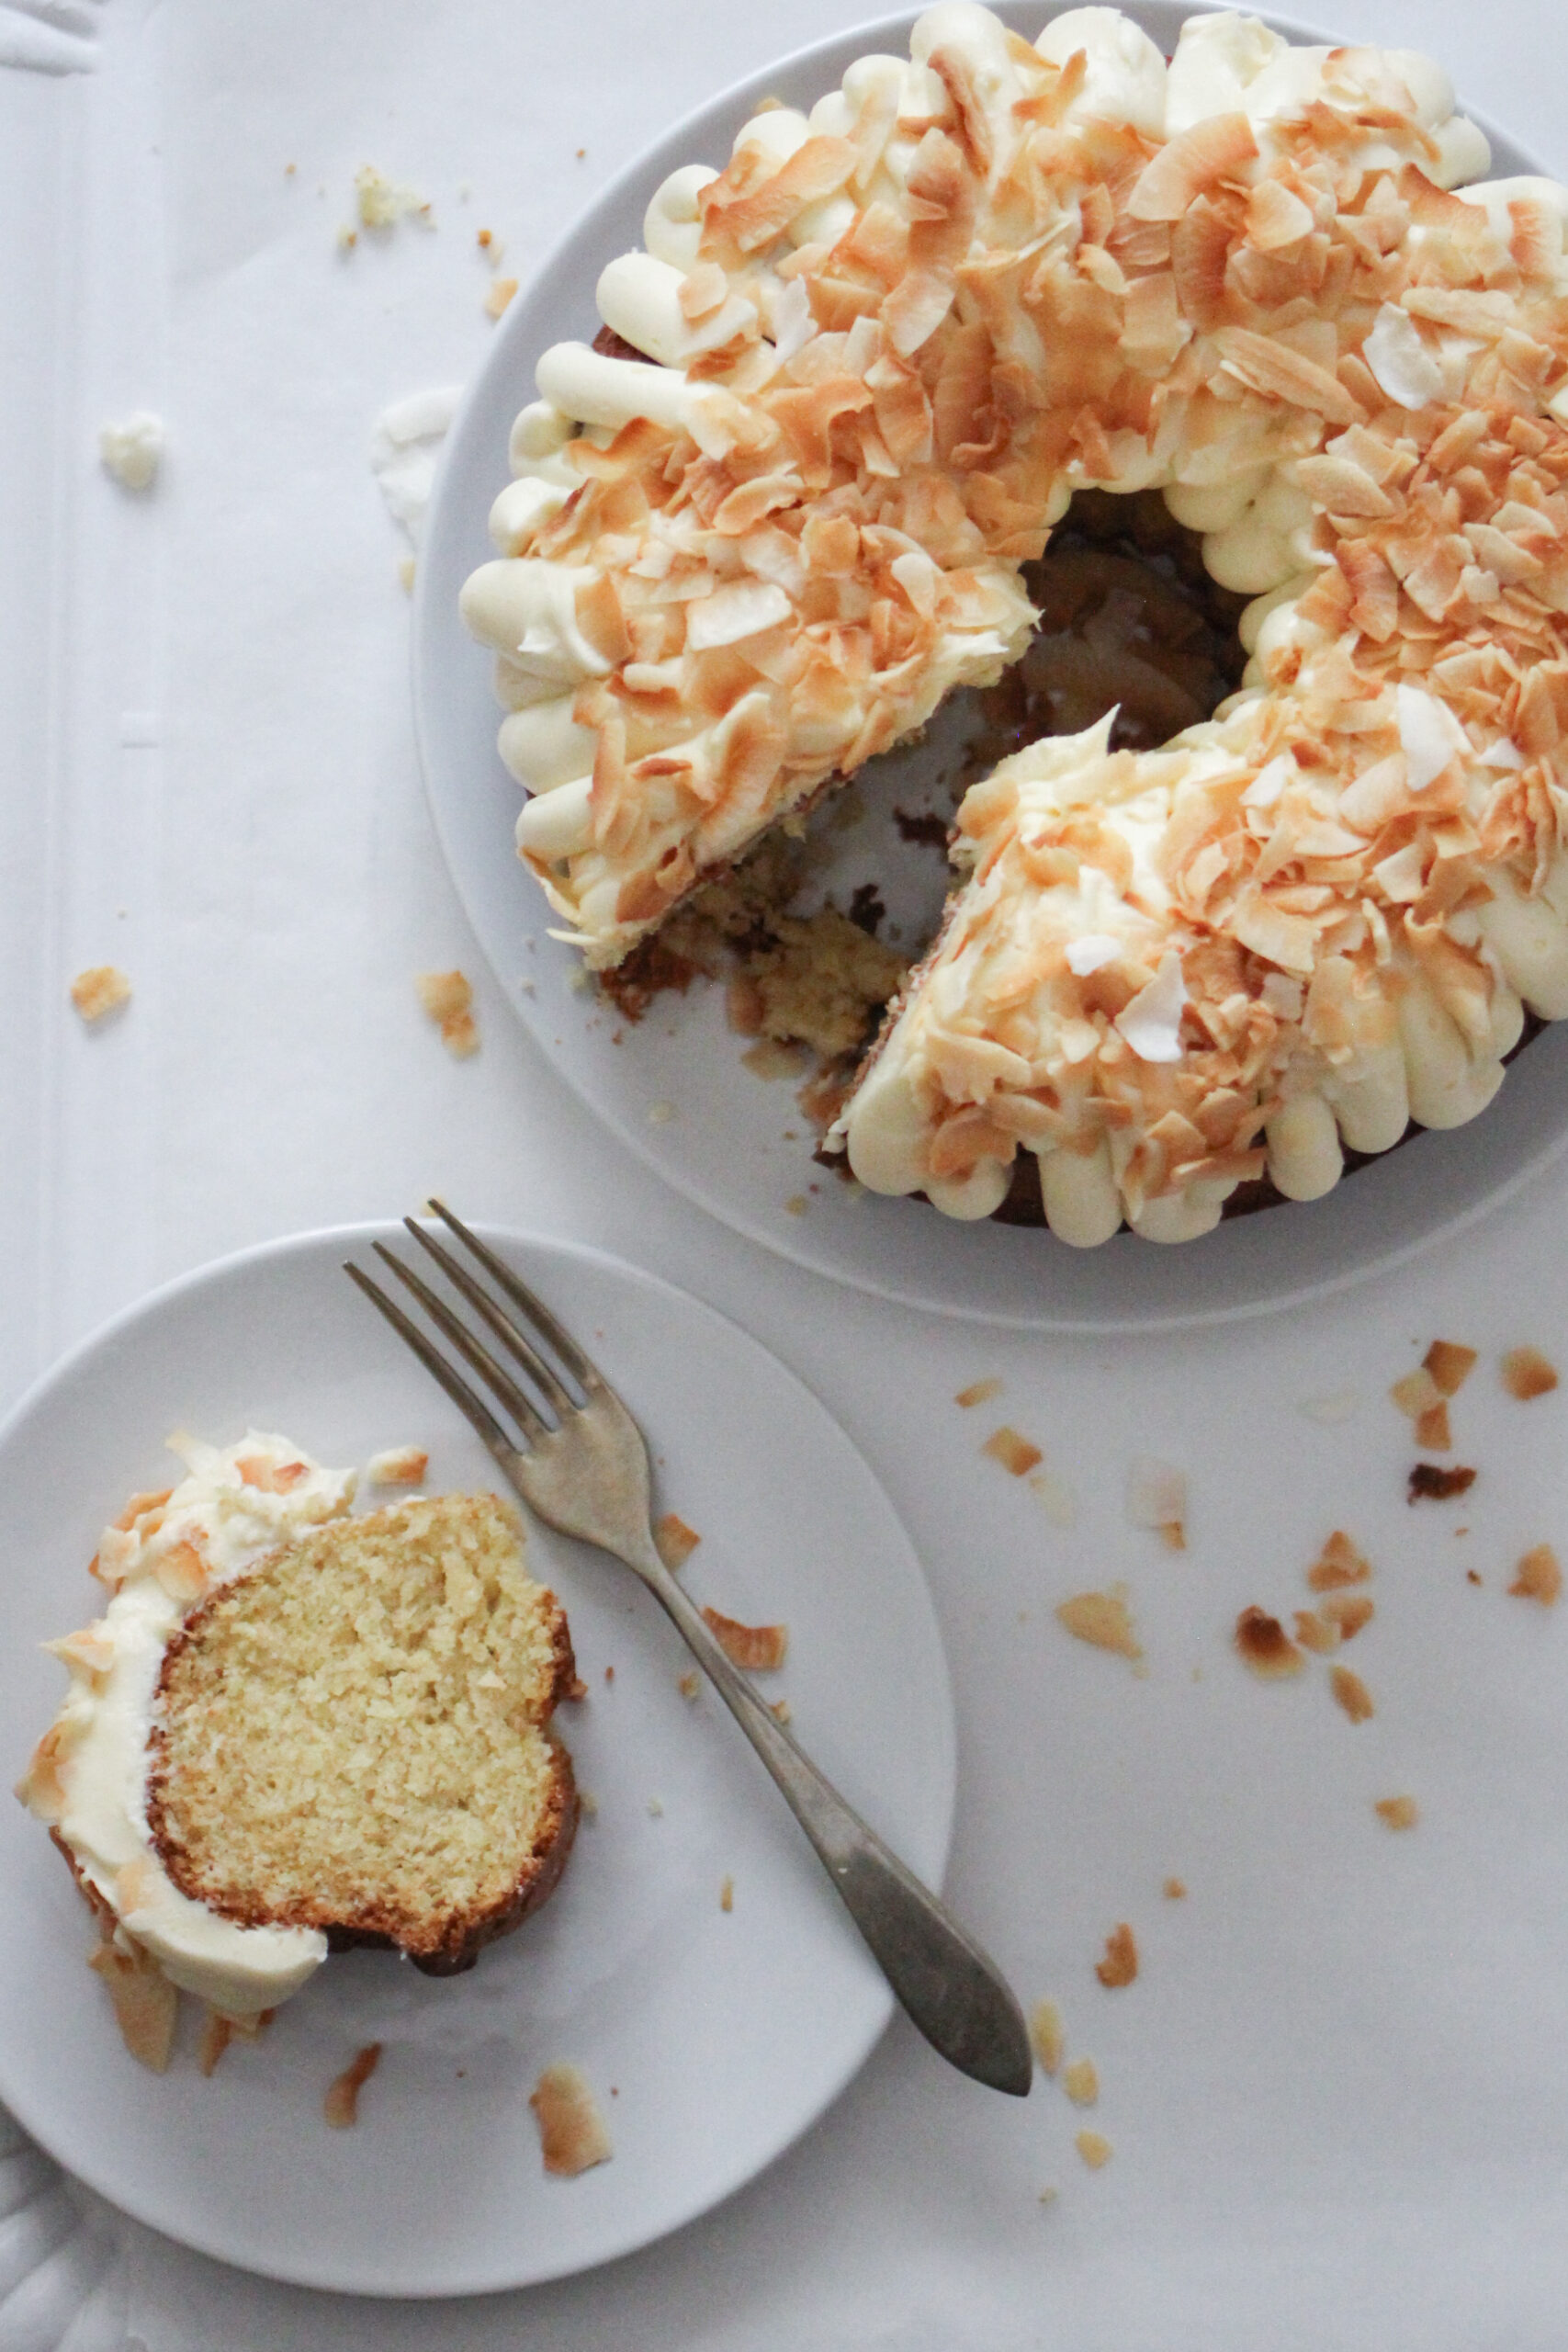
(675, 1090)
(712, 2039)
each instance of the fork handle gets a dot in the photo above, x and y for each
(951, 1989)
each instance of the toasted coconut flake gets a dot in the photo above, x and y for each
(1081, 2080)
(145, 2003)
(100, 991)
(1262, 1644)
(1450, 1364)
(1416, 1394)
(1429, 1483)
(1015, 1453)
(1317, 1631)
(1157, 1497)
(1528, 1374)
(1349, 1611)
(398, 1465)
(341, 2105)
(1432, 1430)
(1103, 1620)
(572, 2137)
(675, 1540)
(1280, 373)
(1046, 2035)
(182, 1572)
(755, 1649)
(1276, 219)
(1401, 362)
(216, 2032)
(1094, 2148)
(1119, 1965)
(1430, 736)
(1152, 1022)
(1351, 1694)
(269, 1477)
(1188, 164)
(979, 1392)
(1538, 1576)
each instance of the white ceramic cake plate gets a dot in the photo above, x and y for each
(712, 2039)
(675, 1088)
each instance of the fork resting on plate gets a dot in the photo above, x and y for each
(580, 1462)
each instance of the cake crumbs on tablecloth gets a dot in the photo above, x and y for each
(1094, 2148)
(979, 1392)
(1156, 1499)
(727, 1893)
(1428, 1481)
(447, 998)
(572, 2137)
(1399, 1813)
(1262, 1644)
(1047, 2036)
(1081, 2080)
(1119, 1965)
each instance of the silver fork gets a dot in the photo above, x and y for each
(583, 1465)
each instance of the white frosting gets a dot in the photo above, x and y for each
(89, 1780)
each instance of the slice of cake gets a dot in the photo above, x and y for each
(355, 1737)
(292, 1730)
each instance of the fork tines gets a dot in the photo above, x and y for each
(558, 1397)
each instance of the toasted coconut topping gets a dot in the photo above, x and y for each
(100, 991)
(146, 2005)
(755, 1649)
(1017, 1454)
(341, 2105)
(676, 1541)
(1528, 1374)
(1350, 1693)
(572, 2137)
(1119, 1965)
(885, 347)
(1538, 1576)
(1103, 1620)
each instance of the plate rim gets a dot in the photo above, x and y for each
(354, 2280)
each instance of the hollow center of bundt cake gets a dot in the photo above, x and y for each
(1129, 618)
(352, 1735)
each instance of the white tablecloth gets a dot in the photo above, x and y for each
(1338, 2092)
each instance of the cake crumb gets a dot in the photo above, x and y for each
(1049, 2194)
(1538, 1576)
(145, 2003)
(656, 1808)
(587, 1804)
(1014, 1453)
(406, 569)
(573, 2136)
(1094, 2148)
(447, 998)
(674, 1540)
(661, 1115)
(101, 989)
(341, 2105)
(1528, 1374)
(1449, 1366)
(381, 203)
(1351, 1693)
(399, 1465)
(132, 451)
(1262, 1642)
(1400, 1812)
(781, 1711)
(1348, 1611)
(1429, 1483)
(498, 295)
(690, 1684)
(1338, 1565)
(1081, 2082)
(773, 1058)
(979, 1392)
(1101, 1618)
(797, 1204)
(1156, 1499)
(727, 1893)
(755, 1649)
(1174, 1891)
(1120, 1964)
(1047, 2038)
